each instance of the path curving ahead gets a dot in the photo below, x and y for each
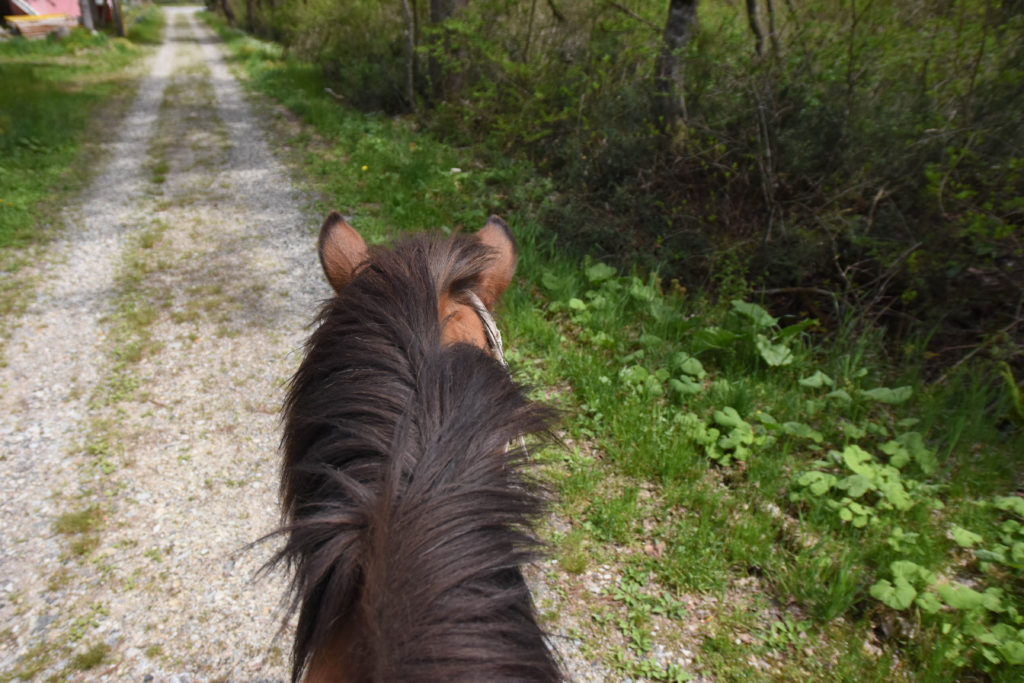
(139, 397)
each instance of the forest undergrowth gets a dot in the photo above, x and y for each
(852, 160)
(709, 441)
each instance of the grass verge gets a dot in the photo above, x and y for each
(49, 103)
(51, 92)
(809, 509)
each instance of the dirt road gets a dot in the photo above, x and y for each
(139, 397)
(138, 422)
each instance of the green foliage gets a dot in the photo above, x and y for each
(983, 624)
(90, 658)
(51, 89)
(880, 472)
(83, 521)
(869, 158)
(786, 633)
(143, 25)
(365, 64)
(1016, 411)
(706, 457)
(81, 529)
(637, 603)
(748, 326)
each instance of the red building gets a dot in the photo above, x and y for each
(37, 18)
(40, 7)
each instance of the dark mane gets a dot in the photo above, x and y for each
(405, 518)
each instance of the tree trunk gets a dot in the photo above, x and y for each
(755, 26)
(668, 74)
(772, 35)
(529, 32)
(228, 13)
(88, 12)
(410, 64)
(118, 19)
(449, 77)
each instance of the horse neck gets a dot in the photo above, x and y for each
(447, 414)
(441, 595)
(334, 663)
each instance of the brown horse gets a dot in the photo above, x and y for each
(407, 516)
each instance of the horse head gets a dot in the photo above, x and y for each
(343, 254)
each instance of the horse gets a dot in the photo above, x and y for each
(406, 513)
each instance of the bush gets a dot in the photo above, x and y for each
(866, 158)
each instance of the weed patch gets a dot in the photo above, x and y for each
(35, 661)
(83, 521)
(91, 658)
(82, 528)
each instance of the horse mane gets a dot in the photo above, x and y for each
(406, 519)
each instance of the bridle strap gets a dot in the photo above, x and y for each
(490, 328)
(494, 342)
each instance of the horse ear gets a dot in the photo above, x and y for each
(341, 249)
(502, 266)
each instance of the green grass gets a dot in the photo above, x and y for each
(51, 90)
(80, 522)
(82, 529)
(91, 658)
(144, 25)
(711, 443)
(34, 662)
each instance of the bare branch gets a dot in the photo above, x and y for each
(755, 26)
(1017, 320)
(410, 64)
(555, 12)
(626, 10)
(772, 35)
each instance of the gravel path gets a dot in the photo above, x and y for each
(139, 392)
(138, 422)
